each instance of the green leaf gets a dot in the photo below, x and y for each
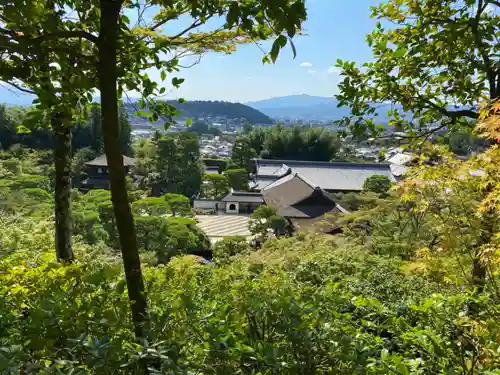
(177, 81)
(163, 75)
(400, 52)
(189, 122)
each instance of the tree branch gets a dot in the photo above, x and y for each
(51, 36)
(20, 88)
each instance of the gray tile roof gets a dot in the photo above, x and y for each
(334, 176)
(243, 197)
(101, 161)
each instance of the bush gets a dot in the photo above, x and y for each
(324, 310)
(228, 247)
(377, 184)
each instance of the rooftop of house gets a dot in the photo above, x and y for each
(243, 197)
(297, 197)
(336, 176)
(101, 161)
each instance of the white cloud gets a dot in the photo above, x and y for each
(333, 70)
(311, 71)
(306, 65)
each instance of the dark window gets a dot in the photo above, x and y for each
(232, 207)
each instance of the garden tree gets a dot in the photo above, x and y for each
(168, 237)
(265, 221)
(150, 206)
(436, 60)
(242, 154)
(120, 54)
(215, 185)
(178, 204)
(36, 60)
(177, 165)
(377, 184)
(237, 178)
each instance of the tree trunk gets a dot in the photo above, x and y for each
(478, 272)
(62, 156)
(107, 72)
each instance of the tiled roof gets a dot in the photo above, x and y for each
(101, 161)
(244, 197)
(328, 176)
(290, 190)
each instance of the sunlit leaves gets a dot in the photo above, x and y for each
(436, 64)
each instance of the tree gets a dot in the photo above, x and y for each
(377, 184)
(215, 185)
(237, 178)
(151, 206)
(435, 65)
(178, 204)
(113, 57)
(178, 164)
(266, 221)
(288, 143)
(242, 154)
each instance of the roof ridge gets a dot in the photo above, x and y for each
(312, 162)
(297, 174)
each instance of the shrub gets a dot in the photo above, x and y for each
(377, 184)
(228, 247)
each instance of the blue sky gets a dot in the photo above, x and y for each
(335, 29)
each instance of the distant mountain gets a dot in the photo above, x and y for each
(212, 110)
(299, 101)
(307, 107)
(301, 107)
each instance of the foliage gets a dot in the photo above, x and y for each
(464, 143)
(200, 128)
(266, 221)
(377, 184)
(228, 247)
(237, 179)
(296, 306)
(178, 204)
(214, 185)
(242, 154)
(288, 143)
(177, 165)
(435, 61)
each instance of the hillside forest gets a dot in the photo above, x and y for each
(124, 281)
